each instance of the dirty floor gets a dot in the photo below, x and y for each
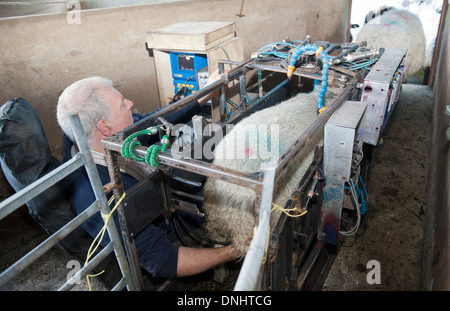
(392, 234)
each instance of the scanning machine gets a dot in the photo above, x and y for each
(333, 190)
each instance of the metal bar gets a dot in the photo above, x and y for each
(260, 81)
(316, 268)
(51, 241)
(222, 99)
(310, 239)
(120, 285)
(347, 51)
(188, 195)
(18, 199)
(310, 75)
(211, 170)
(309, 265)
(238, 65)
(250, 276)
(251, 109)
(130, 249)
(101, 197)
(327, 260)
(151, 119)
(197, 166)
(87, 268)
(243, 92)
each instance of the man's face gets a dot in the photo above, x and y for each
(121, 109)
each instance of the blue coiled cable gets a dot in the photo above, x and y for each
(325, 68)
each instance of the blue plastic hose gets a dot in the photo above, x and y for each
(325, 68)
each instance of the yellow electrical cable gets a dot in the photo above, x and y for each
(101, 234)
(92, 276)
(284, 210)
(267, 248)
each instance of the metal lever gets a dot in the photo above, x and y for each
(188, 207)
(168, 126)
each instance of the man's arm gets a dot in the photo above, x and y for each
(193, 261)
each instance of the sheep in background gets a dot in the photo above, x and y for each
(393, 28)
(230, 208)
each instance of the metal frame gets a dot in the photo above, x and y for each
(83, 158)
(251, 277)
(381, 89)
(340, 133)
(113, 144)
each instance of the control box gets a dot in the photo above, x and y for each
(185, 68)
(381, 90)
(343, 136)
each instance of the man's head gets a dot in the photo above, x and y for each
(102, 109)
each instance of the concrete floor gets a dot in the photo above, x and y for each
(392, 234)
(18, 235)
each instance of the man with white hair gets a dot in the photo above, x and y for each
(103, 111)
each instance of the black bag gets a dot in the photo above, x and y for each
(25, 157)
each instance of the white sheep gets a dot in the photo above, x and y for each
(397, 29)
(230, 208)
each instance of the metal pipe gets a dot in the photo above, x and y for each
(120, 285)
(196, 166)
(130, 249)
(100, 196)
(362, 55)
(211, 170)
(310, 75)
(51, 241)
(222, 100)
(260, 82)
(18, 199)
(150, 120)
(337, 59)
(249, 276)
(87, 268)
(243, 92)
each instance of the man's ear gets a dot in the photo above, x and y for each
(103, 127)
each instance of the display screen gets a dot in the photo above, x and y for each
(186, 62)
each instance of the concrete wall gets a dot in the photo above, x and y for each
(436, 259)
(41, 55)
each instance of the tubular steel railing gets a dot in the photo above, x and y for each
(82, 158)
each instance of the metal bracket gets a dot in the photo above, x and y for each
(339, 137)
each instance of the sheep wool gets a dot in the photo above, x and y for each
(397, 29)
(230, 208)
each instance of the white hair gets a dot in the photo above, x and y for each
(85, 97)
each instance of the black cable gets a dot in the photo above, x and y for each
(178, 233)
(204, 238)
